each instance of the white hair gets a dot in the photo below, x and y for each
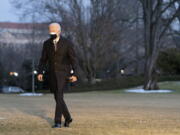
(56, 24)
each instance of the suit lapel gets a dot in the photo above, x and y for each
(51, 46)
(60, 45)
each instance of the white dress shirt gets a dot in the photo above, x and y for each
(55, 42)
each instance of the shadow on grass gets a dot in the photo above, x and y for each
(35, 109)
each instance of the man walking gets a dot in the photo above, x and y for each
(59, 56)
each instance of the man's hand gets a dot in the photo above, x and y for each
(40, 77)
(73, 78)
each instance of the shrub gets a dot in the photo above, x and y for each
(169, 61)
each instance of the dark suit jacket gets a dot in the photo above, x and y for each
(62, 60)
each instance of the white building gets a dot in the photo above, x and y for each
(22, 33)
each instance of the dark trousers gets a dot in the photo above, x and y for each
(59, 80)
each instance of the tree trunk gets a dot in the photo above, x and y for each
(151, 51)
(151, 75)
(91, 78)
(154, 29)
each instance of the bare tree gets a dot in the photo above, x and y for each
(97, 27)
(175, 32)
(158, 16)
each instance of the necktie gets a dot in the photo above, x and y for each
(55, 45)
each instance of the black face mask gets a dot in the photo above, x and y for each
(53, 36)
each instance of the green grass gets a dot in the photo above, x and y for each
(125, 82)
(168, 85)
(118, 86)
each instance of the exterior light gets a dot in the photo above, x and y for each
(16, 74)
(122, 71)
(72, 71)
(13, 74)
(35, 72)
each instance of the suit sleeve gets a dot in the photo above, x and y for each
(73, 59)
(43, 60)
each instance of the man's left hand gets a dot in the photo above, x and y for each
(73, 78)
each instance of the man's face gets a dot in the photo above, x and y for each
(54, 29)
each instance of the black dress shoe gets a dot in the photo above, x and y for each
(56, 125)
(67, 122)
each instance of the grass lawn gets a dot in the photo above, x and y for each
(167, 85)
(95, 113)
